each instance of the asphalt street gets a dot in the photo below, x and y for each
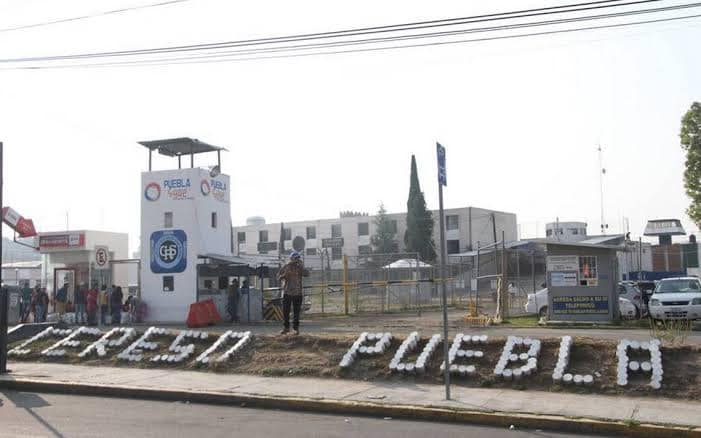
(52, 415)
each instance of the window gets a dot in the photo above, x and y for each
(208, 284)
(393, 226)
(621, 289)
(214, 219)
(311, 251)
(336, 230)
(574, 231)
(453, 246)
(168, 283)
(168, 219)
(336, 254)
(287, 233)
(548, 233)
(363, 229)
(364, 249)
(223, 283)
(263, 235)
(311, 232)
(451, 222)
(241, 236)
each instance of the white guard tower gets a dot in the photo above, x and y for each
(185, 213)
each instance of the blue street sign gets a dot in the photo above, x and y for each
(442, 175)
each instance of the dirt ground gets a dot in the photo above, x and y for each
(319, 356)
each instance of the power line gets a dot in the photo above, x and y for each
(85, 17)
(231, 53)
(232, 57)
(578, 7)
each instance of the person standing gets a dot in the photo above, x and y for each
(61, 298)
(44, 300)
(80, 301)
(35, 305)
(246, 291)
(26, 301)
(104, 301)
(291, 277)
(116, 305)
(233, 301)
(91, 302)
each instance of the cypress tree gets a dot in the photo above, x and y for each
(419, 220)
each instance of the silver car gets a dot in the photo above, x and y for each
(676, 298)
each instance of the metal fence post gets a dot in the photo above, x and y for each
(345, 283)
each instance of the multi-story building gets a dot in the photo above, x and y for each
(351, 234)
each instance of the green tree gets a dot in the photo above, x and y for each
(419, 220)
(383, 241)
(690, 137)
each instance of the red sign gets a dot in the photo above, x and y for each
(62, 241)
(24, 227)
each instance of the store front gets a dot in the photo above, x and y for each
(83, 257)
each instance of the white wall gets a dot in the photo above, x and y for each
(191, 195)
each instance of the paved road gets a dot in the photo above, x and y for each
(49, 415)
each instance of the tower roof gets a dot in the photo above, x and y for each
(664, 227)
(174, 147)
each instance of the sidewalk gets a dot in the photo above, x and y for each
(528, 409)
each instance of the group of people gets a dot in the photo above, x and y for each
(89, 303)
(34, 302)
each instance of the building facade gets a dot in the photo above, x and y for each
(351, 236)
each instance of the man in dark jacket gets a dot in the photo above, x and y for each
(233, 301)
(116, 305)
(61, 298)
(81, 296)
(291, 277)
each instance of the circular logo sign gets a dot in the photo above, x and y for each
(169, 251)
(101, 257)
(204, 187)
(152, 191)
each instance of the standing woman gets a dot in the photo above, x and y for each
(233, 301)
(92, 306)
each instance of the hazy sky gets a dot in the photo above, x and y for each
(308, 137)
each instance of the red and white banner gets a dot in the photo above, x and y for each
(62, 241)
(24, 227)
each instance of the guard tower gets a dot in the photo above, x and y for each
(185, 212)
(664, 229)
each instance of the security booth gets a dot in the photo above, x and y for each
(214, 275)
(581, 281)
(82, 256)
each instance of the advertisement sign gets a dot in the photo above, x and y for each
(214, 188)
(588, 272)
(175, 189)
(168, 251)
(333, 242)
(563, 279)
(582, 305)
(62, 241)
(24, 227)
(267, 246)
(562, 263)
(102, 257)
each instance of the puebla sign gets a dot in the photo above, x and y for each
(519, 359)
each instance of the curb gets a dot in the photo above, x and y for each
(345, 407)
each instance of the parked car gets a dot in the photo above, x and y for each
(538, 303)
(676, 298)
(629, 291)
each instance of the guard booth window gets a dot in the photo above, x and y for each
(168, 283)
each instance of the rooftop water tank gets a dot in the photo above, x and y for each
(255, 221)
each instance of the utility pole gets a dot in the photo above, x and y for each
(443, 181)
(4, 294)
(602, 172)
